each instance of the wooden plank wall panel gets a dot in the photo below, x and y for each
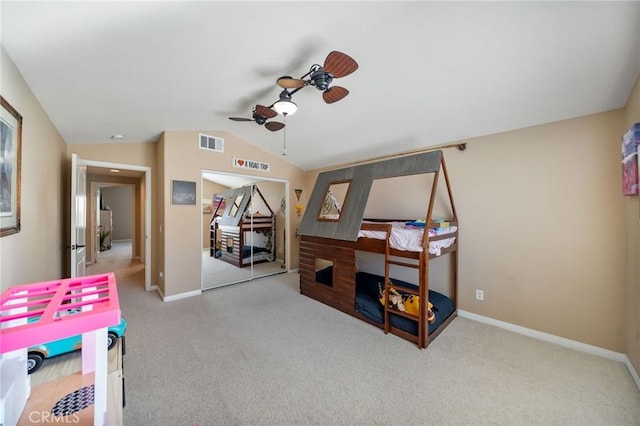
(342, 294)
(233, 258)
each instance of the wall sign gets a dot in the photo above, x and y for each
(243, 163)
(183, 192)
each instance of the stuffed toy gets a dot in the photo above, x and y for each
(408, 303)
(412, 305)
(395, 299)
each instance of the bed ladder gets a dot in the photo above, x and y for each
(388, 285)
(422, 292)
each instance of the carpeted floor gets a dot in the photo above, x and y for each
(259, 353)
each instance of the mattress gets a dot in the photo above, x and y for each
(368, 304)
(409, 238)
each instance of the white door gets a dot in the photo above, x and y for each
(78, 216)
(95, 240)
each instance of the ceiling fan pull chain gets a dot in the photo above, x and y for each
(284, 145)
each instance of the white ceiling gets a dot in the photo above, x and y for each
(229, 180)
(430, 72)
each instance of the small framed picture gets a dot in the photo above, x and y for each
(219, 202)
(630, 143)
(183, 192)
(10, 153)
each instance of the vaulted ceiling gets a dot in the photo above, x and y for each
(430, 73)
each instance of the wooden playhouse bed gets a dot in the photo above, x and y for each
(354, 292)
(246, 236)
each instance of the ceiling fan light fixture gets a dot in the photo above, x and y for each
(285, 107)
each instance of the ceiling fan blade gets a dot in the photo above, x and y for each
(266, 111)
(240, 119)
(290, 83)
(274, 126)
(339, 64)
(334, 94)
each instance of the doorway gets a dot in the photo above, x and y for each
(140, 178)
(244, 223)
(115, 224)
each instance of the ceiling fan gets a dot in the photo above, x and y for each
(336, 65)
(261, 114)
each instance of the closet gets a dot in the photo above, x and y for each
(244, 219)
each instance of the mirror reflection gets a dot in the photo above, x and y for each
(243, 228)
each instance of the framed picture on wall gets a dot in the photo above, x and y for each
(219, 202)
(10, 160)
(630, 142)
(183, 192)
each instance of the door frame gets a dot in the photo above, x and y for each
(94, 210)
(78, 216)
(147, 210)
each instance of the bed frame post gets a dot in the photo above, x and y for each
(455, 252)
(387, 283)
(423, 334)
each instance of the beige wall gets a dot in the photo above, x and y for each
(541, 234)
(183, 160)
(37, 252)
(632, 244)
(540, 227)
(120, 200)
(158, 208)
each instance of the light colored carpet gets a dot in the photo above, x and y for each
(259, 353)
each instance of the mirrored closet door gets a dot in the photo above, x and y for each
(243, 221)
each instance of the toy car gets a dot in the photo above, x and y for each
(37, 354)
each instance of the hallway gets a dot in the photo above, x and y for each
(118, 257)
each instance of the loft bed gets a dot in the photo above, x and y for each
(333, 231)
(244, 231)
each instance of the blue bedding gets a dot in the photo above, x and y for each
(368, 304)
(246, 251)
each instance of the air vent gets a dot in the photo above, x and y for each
(211, 143)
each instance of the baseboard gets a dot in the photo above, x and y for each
(294, 271)
(550, 338)
(160, 293)
(181, 296)
(632, 371)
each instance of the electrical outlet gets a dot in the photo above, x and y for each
(160, 275)
(479, 294)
